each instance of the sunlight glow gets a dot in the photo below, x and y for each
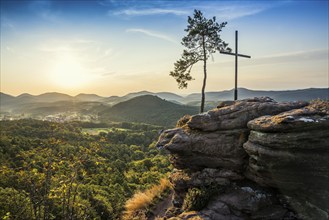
(68, 72)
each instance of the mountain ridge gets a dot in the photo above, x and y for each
(8, 101)
(145, 92)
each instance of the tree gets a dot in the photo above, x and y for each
(202, 40)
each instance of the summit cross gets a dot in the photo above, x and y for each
(236, 54)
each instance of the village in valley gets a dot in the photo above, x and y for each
(58, 117)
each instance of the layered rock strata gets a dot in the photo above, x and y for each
(289, 151)
(255, 151)
(214, 139)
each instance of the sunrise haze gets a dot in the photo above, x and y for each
(116, 47)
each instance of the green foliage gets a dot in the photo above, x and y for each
(52, 170)
(14, 204)
(198, 198)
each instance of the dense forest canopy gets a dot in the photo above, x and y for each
(59, 171)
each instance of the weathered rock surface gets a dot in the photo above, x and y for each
(290, 151)
(247, 201)
(215, 139)
(195, 150)
(238, 114)
(269, 159)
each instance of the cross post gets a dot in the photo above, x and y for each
(236, 54)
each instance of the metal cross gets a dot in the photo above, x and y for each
(236, 54)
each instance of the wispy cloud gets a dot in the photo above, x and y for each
(221, 9)
(151, 11)
(291, 57)
(298, 56)
(152, 34)
(231, 12)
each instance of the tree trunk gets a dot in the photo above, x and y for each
(204, 75)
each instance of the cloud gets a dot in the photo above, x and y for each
(292, 57)
(221, 9)
(231, 12)
(298, 56)
(152, 34)
(151, 11)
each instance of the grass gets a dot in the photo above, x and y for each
(137, 206)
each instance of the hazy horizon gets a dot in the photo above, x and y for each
(180, 94)
(118, 47)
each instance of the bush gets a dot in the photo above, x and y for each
(197, 198)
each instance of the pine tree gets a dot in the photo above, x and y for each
(202, 40)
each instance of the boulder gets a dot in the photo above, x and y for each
(290, 152)
(198, 150)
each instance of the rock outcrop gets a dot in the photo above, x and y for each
(265, 160)
(289, 151)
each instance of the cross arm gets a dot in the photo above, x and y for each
(233, 54)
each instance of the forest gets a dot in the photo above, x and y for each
(75, 170)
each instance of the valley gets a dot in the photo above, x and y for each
(161, 108)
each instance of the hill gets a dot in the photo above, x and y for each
(88, 97)
(147, 109)
(52, 102)
(172, 97)
(243, 93)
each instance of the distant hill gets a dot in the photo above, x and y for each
(52, 102)
(147, 109)
(280, 96)
(172, 97)
(88, 97)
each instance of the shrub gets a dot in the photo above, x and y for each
(197, 198)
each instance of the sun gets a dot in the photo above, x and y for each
(68, 72)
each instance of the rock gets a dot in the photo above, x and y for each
(290, 151)
(225, 103)
(272, 212)
(241, 202)
(214, 139)
(180, 182)
(209, 176)
(237, 115)
(195, 150)
(312, 117)
(259, 158)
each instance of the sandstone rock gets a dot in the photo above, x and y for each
(281, 147)
(195, 150)
(241, 202)
(214, 139)
(312, 117)
(290, 152)
(239, 114)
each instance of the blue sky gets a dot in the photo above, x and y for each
(112, 47)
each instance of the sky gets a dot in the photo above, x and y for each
(114, 47)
